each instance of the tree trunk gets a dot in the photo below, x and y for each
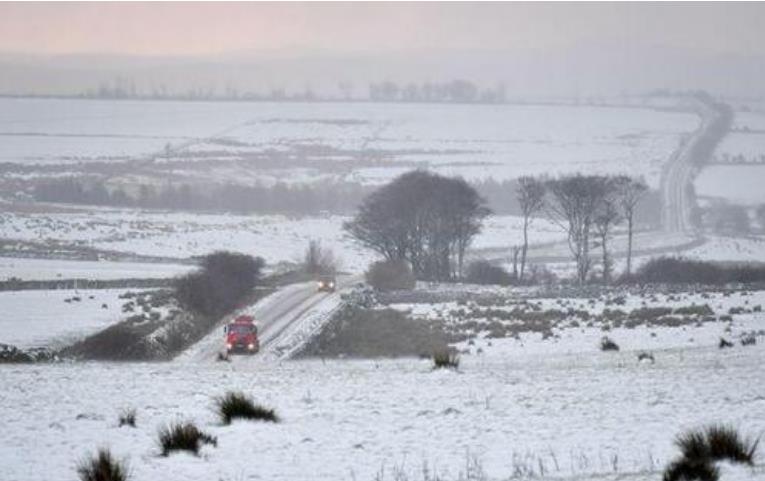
(525, 246)
(629, 244)
(585, 256)
(606, 261)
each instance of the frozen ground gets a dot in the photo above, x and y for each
(348, 141)
(180, 235)
(575, 417)
(749, 249)
(738, 184)
(45, 319)
(573, 334)
(737, 177)
(48, 269)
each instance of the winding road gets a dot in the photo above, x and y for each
(681, 168)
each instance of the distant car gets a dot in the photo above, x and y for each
(327, 284)
(242, 336)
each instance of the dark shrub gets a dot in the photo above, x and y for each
(127, 417)
(606, 344)
(724, 343)
(223, 279)
(749, 340)
(102, 467)
(183, 437)
(540, 274)
(446, 358)
(483, 272)
(390, 276)
(698, 310)
(679, 270)
(236, 405)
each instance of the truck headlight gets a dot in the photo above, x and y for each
(250, 346)
(229, 345)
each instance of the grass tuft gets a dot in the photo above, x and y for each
(725, 443)
(127, 417)
(236, 405)
(702, 448)
(102, 467)
(687, 470)
(646, 356)
(183, 437)
(606, 344)
(446, 358)
(724, 343)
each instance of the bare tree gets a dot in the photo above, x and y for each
(607, 216)
(574, 203)
(630, 192)
(530, 195)
(318, 259)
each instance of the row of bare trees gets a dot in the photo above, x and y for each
(587, 207)
(429, 221)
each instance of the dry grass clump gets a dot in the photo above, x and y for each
(236, 405)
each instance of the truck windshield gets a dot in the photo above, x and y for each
(239, 329)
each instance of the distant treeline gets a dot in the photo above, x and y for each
(334, 197)
(341, 198)
(457, 91)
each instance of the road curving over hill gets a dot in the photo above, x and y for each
(285, 319)
(682, 167)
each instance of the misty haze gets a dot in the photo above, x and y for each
(438, 241)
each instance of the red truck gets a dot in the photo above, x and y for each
(242, 335)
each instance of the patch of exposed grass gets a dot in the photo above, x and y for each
(607, 344)
(237, 405)
(446, 358)
(127, 417)
(702, 448)
(686, 470)
(183, 437)
(102, 467)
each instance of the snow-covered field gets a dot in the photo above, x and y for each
(53, 318)
(178, 235)
(574, 417)
(738, 184)
(718, 248)
(572, 333)
(48, 269)
(365, 142)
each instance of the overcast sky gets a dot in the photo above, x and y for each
(532, 48)
(205, 28)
